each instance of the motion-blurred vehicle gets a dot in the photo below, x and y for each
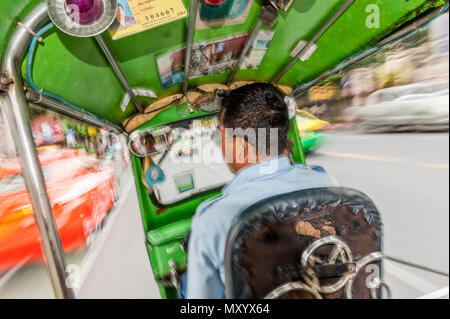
(81, 195)
(312, 131)
(415, 107)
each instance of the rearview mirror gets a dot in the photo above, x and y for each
(148, 142)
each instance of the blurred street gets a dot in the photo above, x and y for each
(407, 176)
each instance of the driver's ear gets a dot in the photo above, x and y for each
(245, 148)
(250, 153)
(221, 116)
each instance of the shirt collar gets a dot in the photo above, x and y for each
(258, 170)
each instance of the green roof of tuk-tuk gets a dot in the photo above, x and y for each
(75, 68)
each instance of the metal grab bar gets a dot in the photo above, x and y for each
(251, 38)
(193, 11)
(316, 37)
(54, 105)
(115, 65)
(18, 118)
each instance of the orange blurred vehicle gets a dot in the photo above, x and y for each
(81, 195)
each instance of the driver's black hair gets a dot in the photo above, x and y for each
(257, 105)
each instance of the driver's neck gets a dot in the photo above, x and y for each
(236, 167)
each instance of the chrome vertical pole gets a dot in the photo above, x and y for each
(316, 37)
(113, 62)
(18, 117)
(267, 16)
(244, 52)
(193, 9)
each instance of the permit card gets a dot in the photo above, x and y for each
(297, 48)
(308, 53)
(138, 92)
(134, 16)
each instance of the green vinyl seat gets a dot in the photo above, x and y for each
(166, 252)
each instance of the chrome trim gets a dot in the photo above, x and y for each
(362, 263)
(308, 260)
(58, 15)
(291, 286)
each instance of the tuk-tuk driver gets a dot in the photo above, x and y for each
(262, 169)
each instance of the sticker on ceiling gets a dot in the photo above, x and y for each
(138, 92)
(134, 16)
(208, 58)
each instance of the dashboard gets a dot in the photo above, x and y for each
(189, 154)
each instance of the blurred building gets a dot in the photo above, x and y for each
(47, 130)
(440, 34)
(7, 149)
(422, 57)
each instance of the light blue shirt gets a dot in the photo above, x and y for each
(205, 271)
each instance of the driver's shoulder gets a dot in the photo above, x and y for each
(217, 211)
(205, 205)
(211, 223)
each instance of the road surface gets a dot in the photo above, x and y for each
(407, 176)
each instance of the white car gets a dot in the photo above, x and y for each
(415, 107)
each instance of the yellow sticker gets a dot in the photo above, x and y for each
(134, 16)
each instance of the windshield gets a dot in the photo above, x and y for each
(193, 162)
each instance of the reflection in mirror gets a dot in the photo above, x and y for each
(143, 143)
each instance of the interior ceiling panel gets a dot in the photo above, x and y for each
(75, 68)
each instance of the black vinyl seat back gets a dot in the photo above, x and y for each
(320, 238)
